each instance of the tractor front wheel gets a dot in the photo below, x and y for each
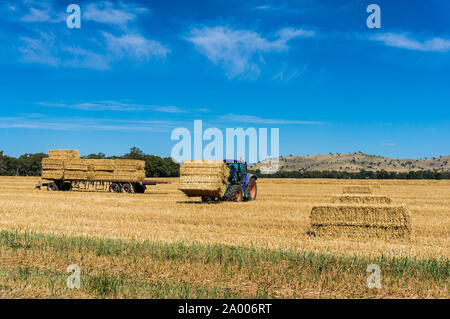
(235, 193)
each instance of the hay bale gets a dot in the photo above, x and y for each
(385, 221)
(102, 165)
(361, 199)
(52, 164)
(203, 178)
(63, 154)
(138, 175)
(77, 164)
(129, 164)
(52, 174)
(99, 175)
(357, 190)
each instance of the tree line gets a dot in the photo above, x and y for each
(30, 164)
(362, 174)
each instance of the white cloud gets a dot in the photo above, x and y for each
(258, 120)
(388, 144)
(36, 15)
(134, 46)
(114, 106)
(82, 58)
(39, 50)
(168, 109)
(86, 124)
(405, 42)
(107, 12)
(240, 51)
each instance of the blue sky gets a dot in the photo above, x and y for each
(138, 69)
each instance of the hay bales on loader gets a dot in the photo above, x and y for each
(204, 178)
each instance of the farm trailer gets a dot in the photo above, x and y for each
(115, 186)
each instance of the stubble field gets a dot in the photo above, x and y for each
(161, 244)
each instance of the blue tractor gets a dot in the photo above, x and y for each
(241, 185)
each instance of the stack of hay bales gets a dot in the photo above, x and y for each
(53, 167)
(129, 170)
(67, 164)
(204, 178)
(76, 169)
(360, 215)
(101, 169)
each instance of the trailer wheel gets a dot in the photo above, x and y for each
(52, 187)
(67, 186)
(140, 189)
(235, 193)
(114, 188)
(126, 188)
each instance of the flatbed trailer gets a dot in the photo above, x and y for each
(116, 186)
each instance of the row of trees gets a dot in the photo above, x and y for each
(362, 174)
(30, 164)
(155, 166)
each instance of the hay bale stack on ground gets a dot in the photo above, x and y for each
(361, 199)
(382, 221)
(357, 190)
(204, 178)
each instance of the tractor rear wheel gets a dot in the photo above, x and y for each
(252, 189)
(235, 193)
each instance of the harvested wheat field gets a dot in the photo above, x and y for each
(162, 244)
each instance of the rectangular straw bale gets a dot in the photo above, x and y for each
(357, 190)
(61, 154)
(53, 174)
(74, 174)
(361, 220)
(361, 199)
(52, 164)
(138, 175)
(100, 175)
(101, 165)
(77, 164)
(128, 164)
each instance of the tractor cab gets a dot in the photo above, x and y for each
(238, 170)
(241, 184)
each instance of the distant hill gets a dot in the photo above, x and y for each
(354, 162)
